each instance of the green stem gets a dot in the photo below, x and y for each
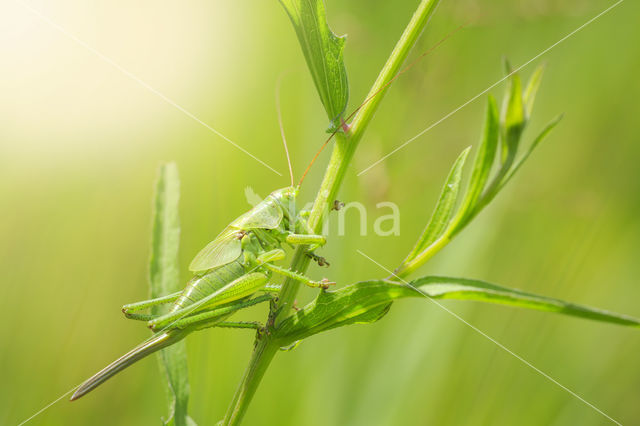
(408, 267)
(345, 146)
(260, 360)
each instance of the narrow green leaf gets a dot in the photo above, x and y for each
(341, 307)
(543, 134)
(484, 159)
(323, 52)
(531, 91)
(444, 208)
(468, 289)
(507, 65)
(513, 119)
(164, 279)
(165, 237)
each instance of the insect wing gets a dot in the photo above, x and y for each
(224, 249)
(266, 215)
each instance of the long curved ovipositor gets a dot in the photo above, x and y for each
(146, 348)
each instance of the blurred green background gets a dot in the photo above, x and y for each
(80, 143)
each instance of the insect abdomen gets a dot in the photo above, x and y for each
(201, 286)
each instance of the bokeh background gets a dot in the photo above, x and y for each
(81, 140)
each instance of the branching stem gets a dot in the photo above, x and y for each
(266, 345)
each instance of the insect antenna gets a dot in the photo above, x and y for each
(284, 139)
(345, 126)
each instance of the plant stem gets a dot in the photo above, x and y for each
(267, 345)
(407, 268)
(261, 357)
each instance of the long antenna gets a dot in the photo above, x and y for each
(284, 139)
(345, 126)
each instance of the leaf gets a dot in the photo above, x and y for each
(444, 208)
(164, 279)
(368, 301)
(483, 184)
(354, 304)
(165, 236)
(513, 119)
(531, 90)
(547, 129)
(484, 160)
(468, 289)
(323, 51)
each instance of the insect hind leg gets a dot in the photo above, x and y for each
(216, 316)
(241, 287)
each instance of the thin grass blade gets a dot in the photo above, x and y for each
(164, 278)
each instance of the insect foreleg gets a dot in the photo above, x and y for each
(271, 256)
(306, 239)
(297, 276)
(304, 235)
(139, 306)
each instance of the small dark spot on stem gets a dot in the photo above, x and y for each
(337, 205)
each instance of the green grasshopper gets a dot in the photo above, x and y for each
(227, 272)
